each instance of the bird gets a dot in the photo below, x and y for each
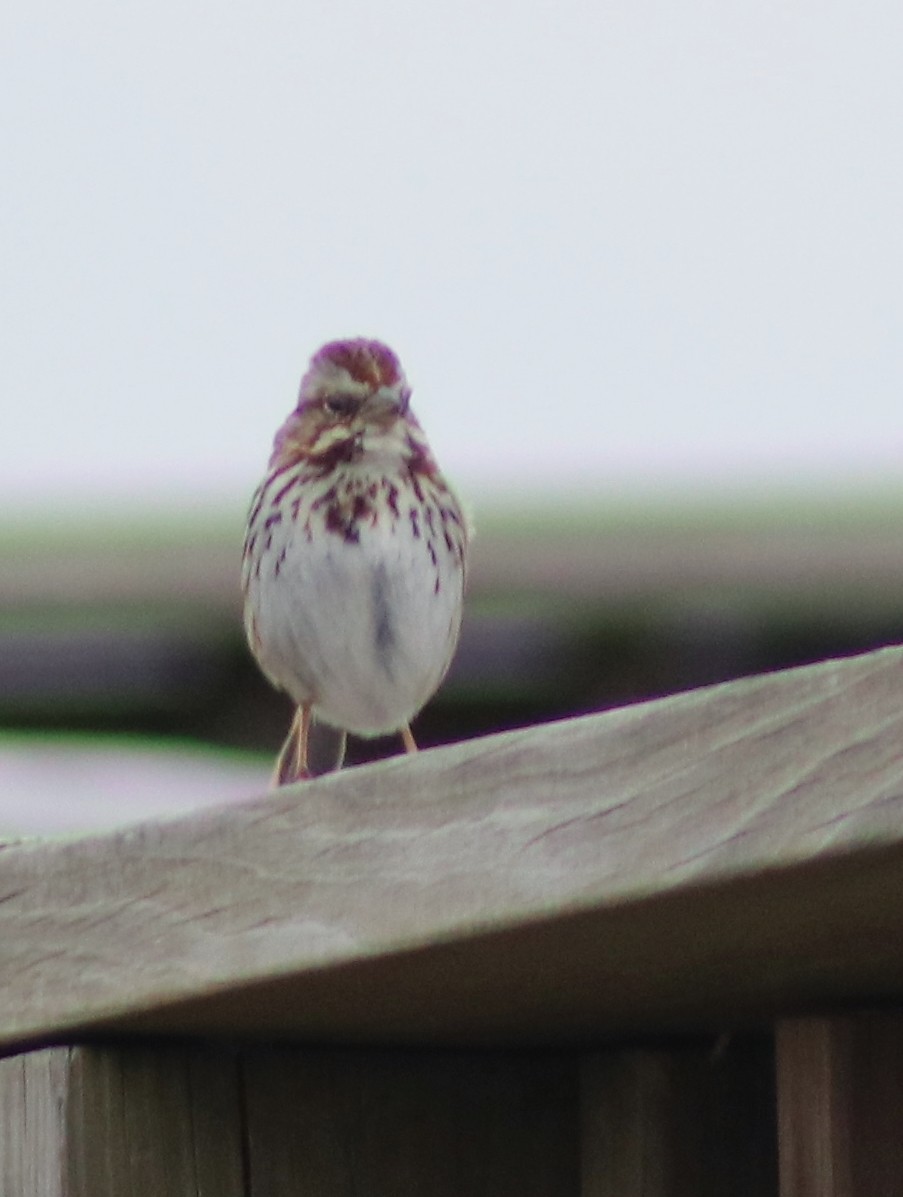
(355, 559)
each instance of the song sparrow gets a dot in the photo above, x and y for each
(355, 555)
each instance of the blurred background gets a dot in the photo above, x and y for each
(642, 264)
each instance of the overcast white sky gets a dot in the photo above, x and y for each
(615, 244)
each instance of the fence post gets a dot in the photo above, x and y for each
(840, 1105)
(679, 1122)
(164, 1119)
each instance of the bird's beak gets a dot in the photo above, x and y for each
(386, 404)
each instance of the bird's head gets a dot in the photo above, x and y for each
(353, 390)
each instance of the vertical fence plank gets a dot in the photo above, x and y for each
(32, 1130)
(346, 1123)
(127, 1121)
(166, 1120)
(154, 1121)
(812, 1128)
(679, 1123)
(840, 1106)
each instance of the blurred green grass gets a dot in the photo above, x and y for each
(131, 623)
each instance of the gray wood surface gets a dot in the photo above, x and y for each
(155, 1121)
(355, 1123)
(679, 1121)
(168, 1121)
(192, 1120)
(714, 856)
(840, 1105)
(33, 1091)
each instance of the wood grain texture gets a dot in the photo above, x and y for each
(155, 1121)
(120, 1122)
(668, 1122)
(715, 856)
(840, 1106)
(185, 1121)
(354, 1123)
(32, 1124)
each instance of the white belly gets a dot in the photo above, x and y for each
(364, 630)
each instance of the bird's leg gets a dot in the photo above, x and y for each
(301, 769)
(407, 738)
(291, 764)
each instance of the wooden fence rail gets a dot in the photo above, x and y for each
(652, 952)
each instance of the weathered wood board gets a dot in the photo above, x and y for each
(710, 858)
(840, 1105)
(679, 1122)
(191, 1120)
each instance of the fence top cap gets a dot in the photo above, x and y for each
(695, 862)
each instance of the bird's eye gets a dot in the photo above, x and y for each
(341, 405)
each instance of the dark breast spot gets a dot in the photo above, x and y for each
(337, 522)
(361, 508)
(383, 621)
(391, 496)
